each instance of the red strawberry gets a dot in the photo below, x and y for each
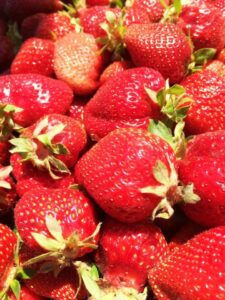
(53, 143)
(8, 243)
(61, 222)
(204, 167)
(113, 69)
(54, 26)
(194, 271)
(19, 9)
(76, 110)
(136, 15)
(35, 56)
(37, 95)
(221, 55)
(130, 184)
(7, 190)
(205, 23)
(216, 66)
(29, 25)
(26, 294)
(221, 5)
(98, 2)
(163, 47)
(123, 102)
(6, 52)
(154, 8)
(127, 252)
(207, 112)
(78, 62)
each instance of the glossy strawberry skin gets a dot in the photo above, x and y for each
(114, 178)
(204, 167)
(71, 208)
(113, 69)
(207, 112)
(54, 26)
(37, 95)
(26, 294)
(127, 252)
(4, 152)
(35, 56)
(73, 136)
(7, 246)
(162, 47)
(194, 271)
(97, 2)
(127, 104)
(154, 8)
(205, 23)
(81, 75)
(216, 66)
(76, 110)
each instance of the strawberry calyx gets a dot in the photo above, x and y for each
(4, 174)
(7, 124)
(72, 8)
(40, 150)
(61, 252)
(100, 289)
(200, 58)
(171, 12)
(170, 190)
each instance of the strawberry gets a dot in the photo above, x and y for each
(163, 47)
(133, 183)
(54, 26)
(65, 224)
(35, 56)
(19, 9)
(221, 55)
(154, 8)
(204, 166)
(113, 69)
(98, 2)
(76, 110)
(216, 66)
(136, 15)
(194, 271)
(6, 52)
(205, 23)
(7, 190)
(25, 294)
(36, 95)
(127, 252)
(8, 243)
(207, 112)
(29, 25)
(53, 143)
(221, 5)
(77, 62)
(128, 87)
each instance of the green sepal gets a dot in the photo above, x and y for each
(15, 36)
(188, 194)
(54, 228)
(47, 243)
(178, 6)
(26, 273)
(161, 173)
(199, 58)
(118, 3)
(16, 288)
(21, 145)
(163, 210)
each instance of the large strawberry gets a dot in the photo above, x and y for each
(29, 25)
(36, 95)
(131, 174)
(35, 56)
(77, 61)
(205, 24)
(53, 143)
(123, 102)
(113, 69)
(163, 47)
(126, 253)
(194, 271)
(204, 167)
(207, 112)
(61, 223)
(25, 294)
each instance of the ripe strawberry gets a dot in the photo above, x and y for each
(8, 243)
(207, 112)
(26, 294)
(153, 7)
(7, 190)
(37, 95)
(221, 55)
(35, 56)
(113, 69)
(19, 9)
(77, 62)
(205, 23)
(204, 166)
(127, 252)
(98, 2)
(216, 66)
(136, 15)
(53, 143)
(163, 47)
(54, 26)
(221, 5)
(133, 183)
(76, 110)
(127, 105)
(61, 222)
(194, 271)
(29, 25)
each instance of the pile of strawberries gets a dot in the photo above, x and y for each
(112, 150)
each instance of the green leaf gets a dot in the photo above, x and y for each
(41, 125)
(155, 190)
(54, 228)
(110, 17)
(47, 243)
(22, 145)
(161, 173)
(188, 194)
(201, 56)
(15, 287)
(9, 108)
(160, 129)
(178, 6)
(176, 89)
(94, 272)
(26, 273)
(163, 210)
(58, 165)
(152, 95)
(90, 284)
(4, 184)
(163, 3)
